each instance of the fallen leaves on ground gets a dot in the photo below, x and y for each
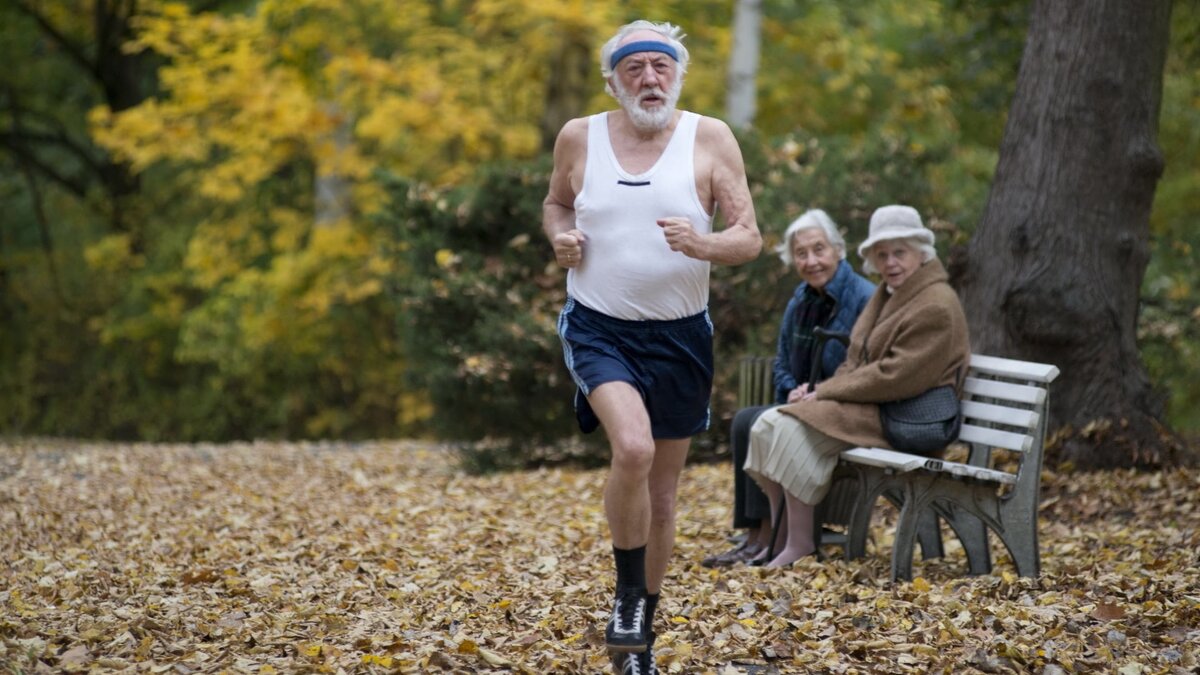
(381, 557)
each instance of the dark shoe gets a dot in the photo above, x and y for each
(626, 629)
(732, 557)
(762, 557)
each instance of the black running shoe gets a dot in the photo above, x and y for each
(646, 664)
(641, 663)
(626, 630)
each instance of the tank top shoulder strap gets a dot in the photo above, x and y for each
(599, 162)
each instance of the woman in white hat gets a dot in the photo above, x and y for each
(911, 337)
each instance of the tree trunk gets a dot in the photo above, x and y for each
(742, 92)
(122, 80)
(332, 199)
(1053, 272)
(570, 83)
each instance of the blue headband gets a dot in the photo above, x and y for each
(642, 46)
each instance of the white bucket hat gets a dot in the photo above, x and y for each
(895, 222)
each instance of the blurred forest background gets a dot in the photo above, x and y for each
(322, 218)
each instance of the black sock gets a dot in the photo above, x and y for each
(651, 605)
(631, 568)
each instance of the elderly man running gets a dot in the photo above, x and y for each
(630, 215)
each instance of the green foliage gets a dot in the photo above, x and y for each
(480, 310)
(1169, 327)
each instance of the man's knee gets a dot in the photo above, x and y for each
(633, 454)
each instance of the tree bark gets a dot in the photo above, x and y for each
(122, 80)
(741, 100)
(332, 198)
(570, 83)
(1054, 269)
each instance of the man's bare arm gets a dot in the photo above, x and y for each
(558, 209)
(740, 240)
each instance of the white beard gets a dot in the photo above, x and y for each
(649, 120)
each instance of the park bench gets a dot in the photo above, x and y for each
(1005, 410)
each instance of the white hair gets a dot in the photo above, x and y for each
(672, 35)
(809, 220)
(927, 251)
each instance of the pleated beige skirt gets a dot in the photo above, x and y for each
(787, 451)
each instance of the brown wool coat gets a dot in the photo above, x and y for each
(901, 345)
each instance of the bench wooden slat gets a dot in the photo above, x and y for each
(756, 381)
(996, 438)
(1006, 391)
(979, 473)
(988, 412)
(888, 459)
(1017, 370)
(903, 462)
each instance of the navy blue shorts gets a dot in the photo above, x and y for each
(670, 363)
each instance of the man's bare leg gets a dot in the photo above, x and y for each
(669, 458)
(627, 507)
(626, 492)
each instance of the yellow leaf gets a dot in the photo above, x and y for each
(921, 585)
(468, 646)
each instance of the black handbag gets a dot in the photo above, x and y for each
(922, 424)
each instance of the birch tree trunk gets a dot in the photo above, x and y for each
(1054, 270)
(332, 201)
(742, 90)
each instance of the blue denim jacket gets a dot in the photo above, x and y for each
(850, 292)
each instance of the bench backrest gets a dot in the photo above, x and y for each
(1005, 404)
(756, 381)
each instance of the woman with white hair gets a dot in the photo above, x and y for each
(911, 337)
(830, 295)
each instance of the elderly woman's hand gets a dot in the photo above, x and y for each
(800, 393)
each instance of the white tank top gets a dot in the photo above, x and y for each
(628, 270)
